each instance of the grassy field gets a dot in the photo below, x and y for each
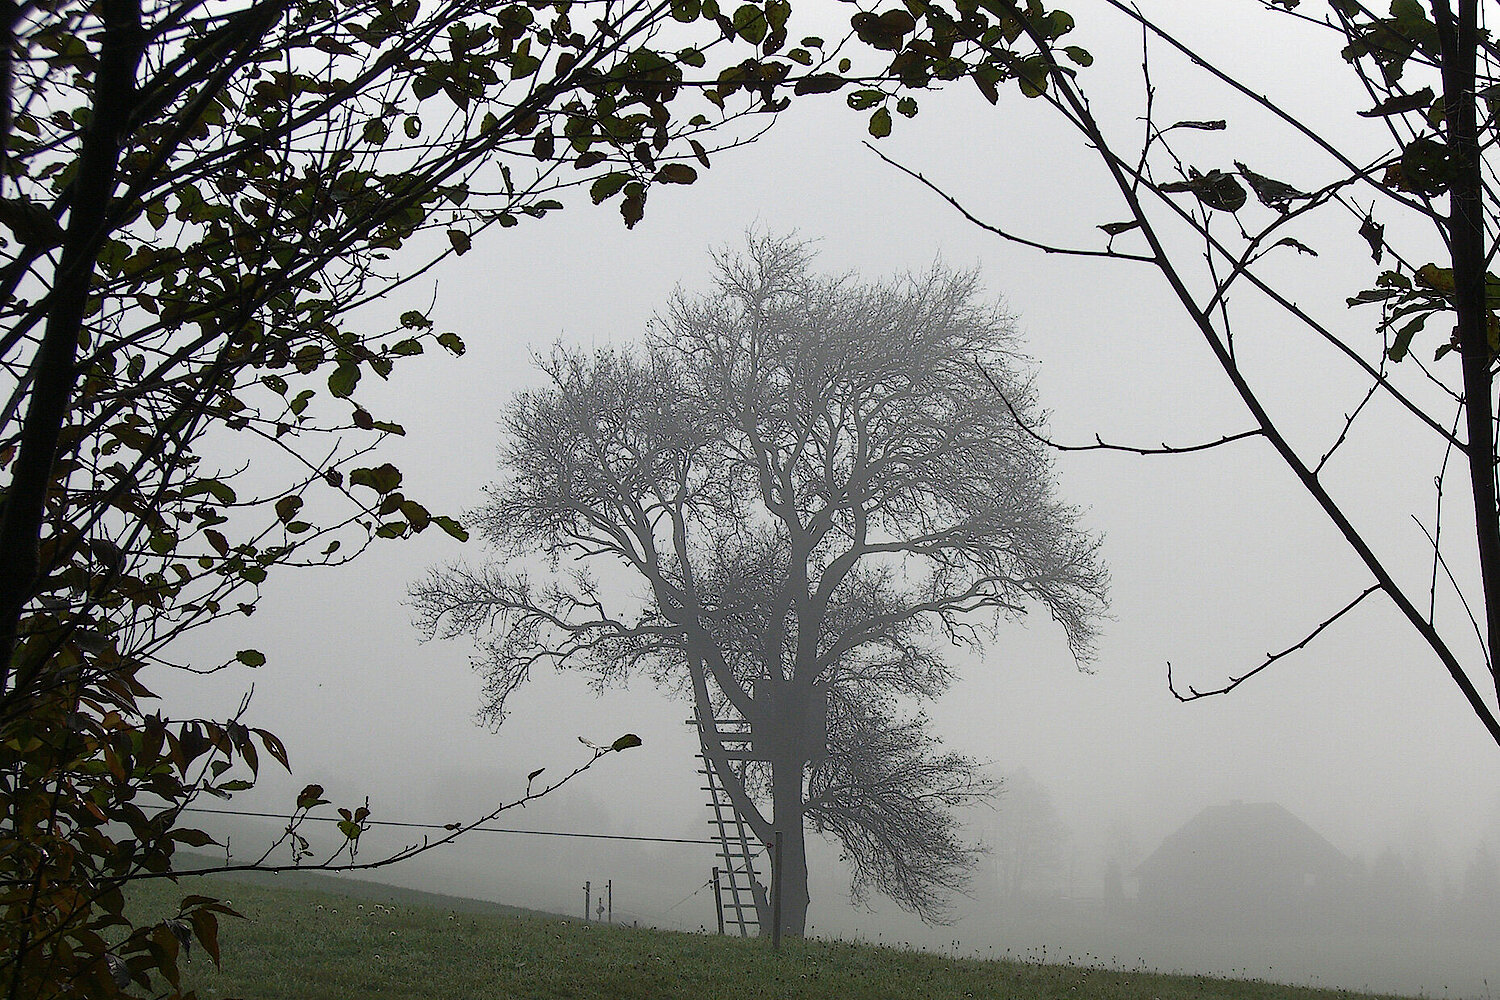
(302, 942)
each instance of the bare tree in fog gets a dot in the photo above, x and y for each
(1029, 840)
(824, 497)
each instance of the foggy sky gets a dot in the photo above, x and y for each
(1216, 558)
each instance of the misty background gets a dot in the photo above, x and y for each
(1216, 558)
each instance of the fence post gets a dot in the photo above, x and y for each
(586, 898)
(609, 888)
(718, 901)
(776, 894)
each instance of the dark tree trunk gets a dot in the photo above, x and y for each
(1459, 39)
(786, 796)
(53, 372)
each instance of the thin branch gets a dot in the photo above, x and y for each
(1044, 247)
(1438, 560)
(1193, 694)
(1101, 445)
(1349, 419)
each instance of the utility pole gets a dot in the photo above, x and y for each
(586, 897)
(609, 888)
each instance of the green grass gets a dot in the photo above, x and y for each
(301, 943)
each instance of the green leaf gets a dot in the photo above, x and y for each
(1033, 76)
(1401, 104)
(460, 241)
(1425, 168)
(1439, 279)
(415, 514)
(633, 207)
(451, 342)
(1372, 295)
(382, 479)
(1080, 56)
(220, 490)
(193, 838)
(607, 186)
(819, 83)
(1401, 343)
(310, 796)
(1271, 192)
(206, 930)
(343, 380)
(451, 526)
(626, 742)
(885, 31)
(1373, 234)
(287, 507)
(1297, 245)
(1215, 189)
(376, 131)
(750, 23)
(676, 173)
(251, 657)
(880, 123)
(1116, 228)
(412, 126)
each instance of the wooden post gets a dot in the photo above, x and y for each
(776, 894)
(609, 889)
(718, 901)
(586, 898)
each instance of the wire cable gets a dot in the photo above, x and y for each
(450, 827)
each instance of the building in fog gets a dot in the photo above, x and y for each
(1249, 865)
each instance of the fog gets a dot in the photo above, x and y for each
(1217, 559)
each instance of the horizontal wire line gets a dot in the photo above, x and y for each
(450, 829)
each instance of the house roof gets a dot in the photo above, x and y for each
(1237, 835)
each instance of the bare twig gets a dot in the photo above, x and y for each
(1101, 445)
(1193, 694)
(1035, 245)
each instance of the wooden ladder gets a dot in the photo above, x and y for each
(737, 885)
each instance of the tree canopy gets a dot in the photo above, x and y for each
(201, 204)
(824, 497)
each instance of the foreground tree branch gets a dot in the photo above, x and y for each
(1440, 150)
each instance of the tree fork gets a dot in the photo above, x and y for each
(55, 366)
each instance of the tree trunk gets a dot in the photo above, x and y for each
(1459, 39)
(53, 370)
(786, 797)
